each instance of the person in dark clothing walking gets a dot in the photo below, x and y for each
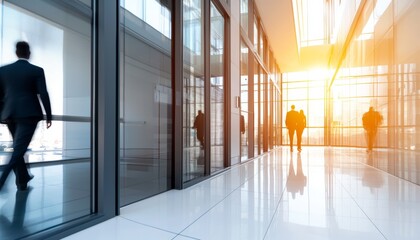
(371, 121)
(292, 117)
(300, 126)
(20, 85)
(199, 125)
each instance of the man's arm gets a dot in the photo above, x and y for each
(45, 98)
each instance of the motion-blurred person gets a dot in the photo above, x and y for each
(20, 85)
(371, 121)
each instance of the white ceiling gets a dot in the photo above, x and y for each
(279, 26)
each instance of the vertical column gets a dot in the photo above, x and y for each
(106, 108)
(207, 108)
(177, 80)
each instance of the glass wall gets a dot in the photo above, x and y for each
(376, 73)
(145, 100)
(60, 37)
(244, 8)
(245, 116)
(194, 119)
(256, 115)
(217, 91)
(380, 70)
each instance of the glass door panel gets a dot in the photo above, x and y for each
(243, 121)
(194, 122)
(217, 91)
(256, 109)
(145, 100)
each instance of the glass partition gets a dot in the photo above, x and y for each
(60, 39)
(244, 7)
(145, 100)
(257, 110)
(244, 118)
(217, 91)
(194, 120)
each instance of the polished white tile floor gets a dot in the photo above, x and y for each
(321, 193)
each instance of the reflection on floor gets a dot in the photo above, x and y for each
(321, 193)
(57, 194)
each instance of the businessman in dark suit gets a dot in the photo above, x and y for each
(20, 85)
(292, 117)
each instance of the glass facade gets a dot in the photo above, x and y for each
(379, 71)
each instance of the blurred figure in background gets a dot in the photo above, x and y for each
(371, 121)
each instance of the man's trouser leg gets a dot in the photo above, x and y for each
(22, 133)
(291, 134)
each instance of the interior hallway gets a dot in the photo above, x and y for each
(321, 193)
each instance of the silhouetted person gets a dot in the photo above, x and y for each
(242, 124)
(199, 125)
(20, 85)
(371, 121)
(291, 123)
(300, 126)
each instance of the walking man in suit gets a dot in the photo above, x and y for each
(20, 85)
(292, 117)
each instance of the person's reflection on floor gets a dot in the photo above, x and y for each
(296, 182)
(372, 177)
(14, 229)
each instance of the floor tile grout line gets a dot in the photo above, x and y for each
(361, 209)
(194, 238)
(224, 198)
(147, 225)
(211, 208)
(277, 207)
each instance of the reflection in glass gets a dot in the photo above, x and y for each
(244, 15)
(217, 94)
(257, 110)
(154, 13)
(244, 102)
(261, 92)
(145, 101)
(193, 84)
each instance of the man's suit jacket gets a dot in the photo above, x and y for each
(292, 117)
(20, 84)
